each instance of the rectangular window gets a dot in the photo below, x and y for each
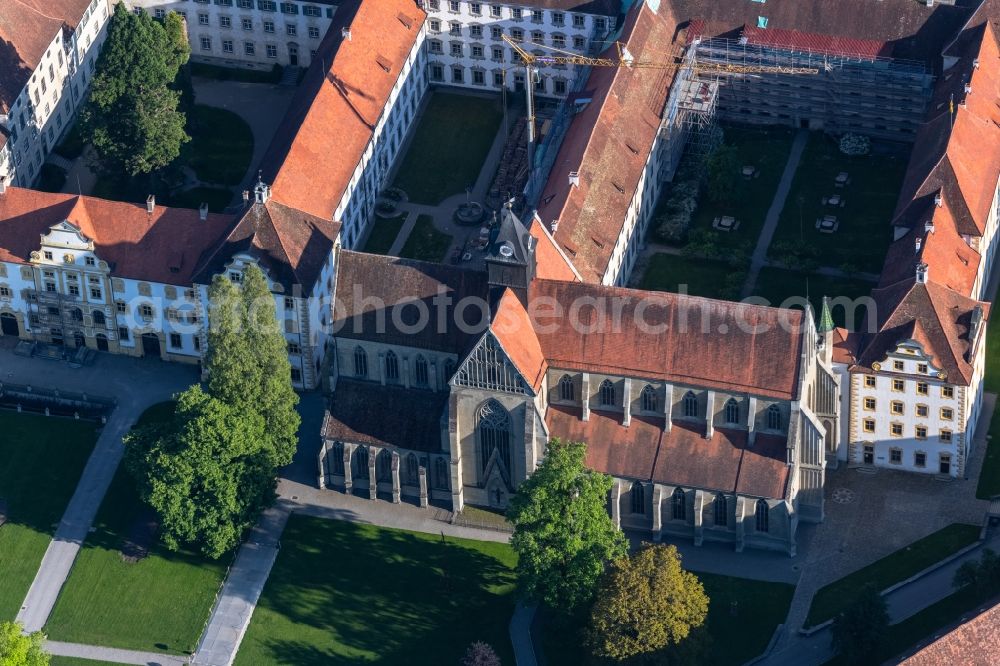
(870, 404)
(435, 46)
(291, 30)
(869, 425)
(73, 290)
(497, 54)
(922, 388)
(896, 407)
(457, 75)
(123, 333)
(497, 78)
(495, 11)
(227, 46)
(922, 410)
(267, 5)
(289, 8)
(249, 48)
(206, 43)
(898, 385)
(475, 8)
(95, 293)
(246, 4)
(478, 77)
(202, 19)
(175, 340)
(248, 24)
(516, 13)
(311, 10)
(922, 368)
(455, 28)
(947, 391)
(896, 429)
(537, 16)
(313, 32)
(272, 50)
(947, 413)
(225, 22)
(477, 51)
(579, 43)
(453, 5)
(896, 456)
(496, 33)
(456, 49)
(919, 459)
(945, 435)
(579, 21)
(296, 375)
(476, 31)
(293, 348)
(898, 366)
(121, 307)
(921, 432)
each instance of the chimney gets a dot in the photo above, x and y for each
(261, 192)
(246, 196)
(919, 241)
(975, 63)
(203, 212)
(3, 185)
(345, 33)
(574, 178)
(921, 273)
(929, 226)
(150, 204)
(968, 88)
(938, 201)
(554, 226)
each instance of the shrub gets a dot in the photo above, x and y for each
(855, 144)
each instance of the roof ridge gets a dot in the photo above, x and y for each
(281, 243)
(35, 10)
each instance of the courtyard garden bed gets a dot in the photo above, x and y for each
(425, 242)
(742, 616)
(449, 146)
(159, 603)
(864, 231)
(41, 460)
(889, 570)
(347, 593)
(383, 234)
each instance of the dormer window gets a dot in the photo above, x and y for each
(90, 261)
(235, 277)
(47, 254)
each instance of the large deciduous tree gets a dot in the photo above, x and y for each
(211, 471)
(132, 115)
(563, 535)
(17, 649)
(645, 603)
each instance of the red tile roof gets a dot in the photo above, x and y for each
(715, 344)
(330, 123)
(644, 451)
(550, 262)
(973, 643)
(608, 144)
(513, 330)
(163, 247)
(845, 346)
(796, 40)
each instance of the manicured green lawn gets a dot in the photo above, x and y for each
(159, 604)
(734, 635)
(221, 145)
(864, 233)
(426, 242)
(991, 380)
(383, 233)
(766, 149)
(700, 277)
(989, 476)
(236, 73)
(41, 460)
(346, 593)
(76, 661)
(891, 569)
(778, 285)
(449, 147)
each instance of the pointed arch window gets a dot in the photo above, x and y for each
(607, 393)
(441, 475)
(360, 362)
(774, 417)
(721, 510)
(391, 366)
(337, 461)
(650, 403)
(420, 374)
(360, 459)
(690, 404)
(566, 389)
(449, 370)
(732, 411)
(762, 519)
(494, 436)
(383, 466)
(679, 504)
(412, 470)
(638, 498)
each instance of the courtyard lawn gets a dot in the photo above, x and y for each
(218, 73)
(766, 149)
(41, 459)
(449, 146)
(217, 198)
(158, 604)
(734, 634)
(383, 233)
(989, 476)
(864, 233)
(891, 569)
(221, 145)
(426, 242)
(77, 661)
(991, 380)
(347, 593)
(700, 277)
(778, 285)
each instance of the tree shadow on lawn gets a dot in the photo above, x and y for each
(387, 593)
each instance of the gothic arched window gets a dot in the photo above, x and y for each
(566, 389)
(649, 401)
(679, 504)
(441, 475)
(420, 374)
(360, 459)
(774, 417)
(360, 362)
(721, 510)
(391, 366)
(449, 369)
(732, 411)
(383, 466)
(690, 404)
(761, 516)
(412, 470)
(337, 455)
(638, 498)
(607, 392)
(494, 435)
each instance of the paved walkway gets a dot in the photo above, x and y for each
(98, 654)
(110, 376)
(777, 204)
(235, 605)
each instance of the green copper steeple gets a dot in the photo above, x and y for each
(825, 318)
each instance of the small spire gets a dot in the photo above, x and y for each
(825, 317)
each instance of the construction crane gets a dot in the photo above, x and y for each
(625, 58)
